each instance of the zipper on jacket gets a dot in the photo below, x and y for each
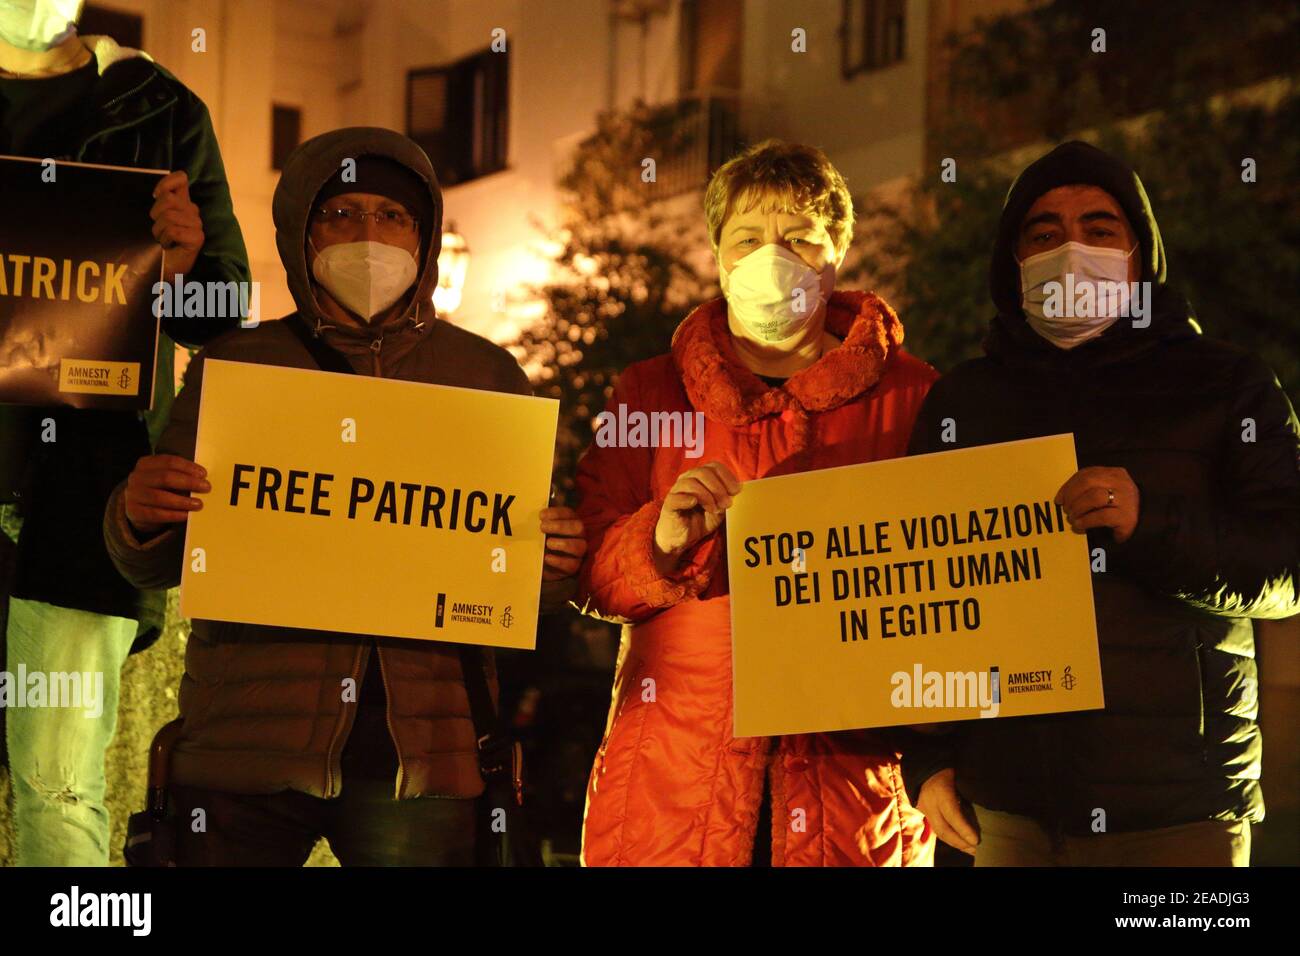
(388, 719)
(108, 131)
(1200, 697)
(338, 727)
(632, 667)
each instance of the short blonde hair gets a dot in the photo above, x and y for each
(799, 178)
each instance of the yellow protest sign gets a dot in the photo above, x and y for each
(908, 591)
(369, 505)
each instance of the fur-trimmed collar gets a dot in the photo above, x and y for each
(108, 51)
(725, 390)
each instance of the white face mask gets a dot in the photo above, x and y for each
(365, 277)
(38, 25)
(1101, 268)
(774, 294)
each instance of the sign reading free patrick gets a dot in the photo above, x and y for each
(368, 505)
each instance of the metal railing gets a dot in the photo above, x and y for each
(699, 133)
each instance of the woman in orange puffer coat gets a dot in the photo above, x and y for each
(786, 376)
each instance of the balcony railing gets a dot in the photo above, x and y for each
(700, 134)
(688, 139)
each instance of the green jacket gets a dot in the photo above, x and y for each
(141, 115)
(147, 117)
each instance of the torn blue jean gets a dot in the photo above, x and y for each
(59, 728)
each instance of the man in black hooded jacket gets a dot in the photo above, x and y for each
(1189, 491)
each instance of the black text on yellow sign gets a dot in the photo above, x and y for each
(884, 576)
(369, 506)
(911, 591)
(397, 502)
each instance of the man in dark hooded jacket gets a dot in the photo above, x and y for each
(1189, 491)
(272, 750)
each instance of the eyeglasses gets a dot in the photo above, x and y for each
(348, 220)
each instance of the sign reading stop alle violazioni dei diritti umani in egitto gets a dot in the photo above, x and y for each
(909, 591)
(367, 505)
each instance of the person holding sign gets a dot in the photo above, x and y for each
(65, 97)
(1189, 493)
(290, 734)
(783, 374)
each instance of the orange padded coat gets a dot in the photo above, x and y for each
(671, 786)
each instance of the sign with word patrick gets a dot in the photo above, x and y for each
(78, 267)
(368, 505)
(909, 591)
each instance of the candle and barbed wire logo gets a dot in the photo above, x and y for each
(507, 618)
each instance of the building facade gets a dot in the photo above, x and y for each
(500, 94)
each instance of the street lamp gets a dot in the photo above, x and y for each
(453, 263)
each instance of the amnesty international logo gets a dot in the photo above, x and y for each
(91, 376)
(1068, 680)
(1028, 682)
(462, 612)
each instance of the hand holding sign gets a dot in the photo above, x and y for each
(157, 491)
(693, 510)
(565, 543)
(1097, 497)
(943, 807)
(177, 225)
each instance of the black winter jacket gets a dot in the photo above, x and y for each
(1217, 543)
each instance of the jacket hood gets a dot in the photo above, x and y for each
(1080, 163)
(307, 170)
